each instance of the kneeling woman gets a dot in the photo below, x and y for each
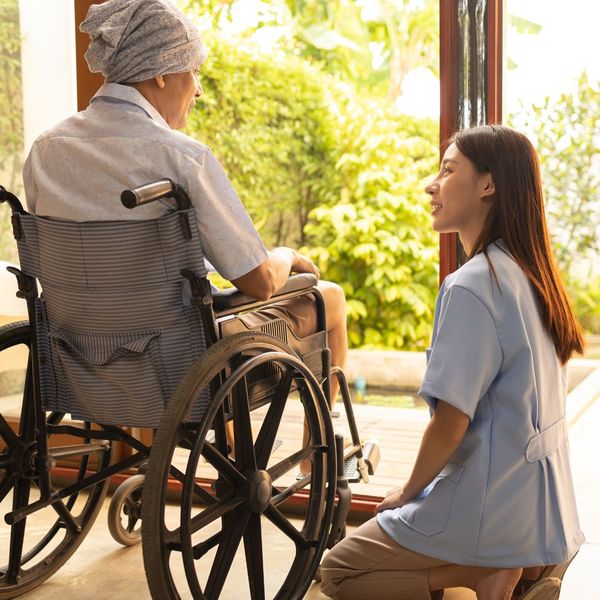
(490, 492)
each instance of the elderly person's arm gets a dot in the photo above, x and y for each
(263, 281)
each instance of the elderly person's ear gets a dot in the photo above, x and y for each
(160, 81)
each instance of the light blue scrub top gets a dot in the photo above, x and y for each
(506, 497)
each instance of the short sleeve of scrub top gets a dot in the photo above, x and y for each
(465, 353)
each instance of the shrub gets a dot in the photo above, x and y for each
(566, 134)
(267, 119)
(377, 241)
(315, 166)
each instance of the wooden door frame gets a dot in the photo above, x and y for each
(87, 83)
(449, 57)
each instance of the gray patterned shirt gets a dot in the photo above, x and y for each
(78, 169)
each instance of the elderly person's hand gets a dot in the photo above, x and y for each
(303, 264)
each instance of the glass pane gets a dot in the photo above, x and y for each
(11, 117)
(552, 87)
(325, 115)
(37, 89)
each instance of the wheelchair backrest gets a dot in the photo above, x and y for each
(116, 329)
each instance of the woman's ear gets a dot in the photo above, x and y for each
(486, 186)
(160, 81)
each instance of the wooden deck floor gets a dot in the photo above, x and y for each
(397, 430)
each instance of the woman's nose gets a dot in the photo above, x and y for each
(431, 188)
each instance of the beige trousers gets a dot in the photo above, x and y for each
(370, 565)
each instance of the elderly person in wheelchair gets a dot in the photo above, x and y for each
(128, 333)
(150, 55)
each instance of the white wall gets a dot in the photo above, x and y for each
(48, 64)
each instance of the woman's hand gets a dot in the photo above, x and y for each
(393, 499)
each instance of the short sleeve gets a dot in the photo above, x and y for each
(465, 354)
(229, 240)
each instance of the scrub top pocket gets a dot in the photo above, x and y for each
(429, 514)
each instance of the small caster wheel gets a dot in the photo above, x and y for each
(125, 511)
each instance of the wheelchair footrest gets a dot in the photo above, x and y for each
(372, 455)
(351, 472)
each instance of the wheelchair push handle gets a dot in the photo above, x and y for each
(11, 200)
(155, 190)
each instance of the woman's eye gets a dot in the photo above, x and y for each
(445, 170)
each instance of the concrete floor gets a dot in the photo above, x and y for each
(101, 569)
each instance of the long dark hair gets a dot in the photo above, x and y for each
(518, 218)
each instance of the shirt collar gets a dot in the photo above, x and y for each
(129, 94)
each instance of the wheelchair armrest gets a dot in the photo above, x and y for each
(232, 298)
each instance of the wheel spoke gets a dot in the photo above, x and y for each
(287, 464)
(6, 485)
(199, 550)
(233, 530)
(222, 464)
(279, 520)
(205, 496)
(270, 426)
(254, 557)
(131, 523)
(17, 531)
(204, 518)
(245, 458)
(8, 435)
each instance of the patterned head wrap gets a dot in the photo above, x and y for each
(135, 40)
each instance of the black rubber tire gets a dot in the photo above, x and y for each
(158, 549)
(41, 554)
(127, 502)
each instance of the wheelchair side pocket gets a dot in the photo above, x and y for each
(111, 378)
(429, 514)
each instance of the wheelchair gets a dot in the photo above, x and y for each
(128, 334)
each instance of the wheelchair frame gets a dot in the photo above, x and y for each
(223, 369)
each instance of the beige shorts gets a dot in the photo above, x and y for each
(300, 313)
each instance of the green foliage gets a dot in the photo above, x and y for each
(371, 44)
(317, 166)
(376, 240)
(11, 122)
(585, 292)
(268, 120)
(566, 134)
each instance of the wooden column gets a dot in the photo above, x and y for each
(471, 40)
(495, 63)
(448, 112)
(87, 83)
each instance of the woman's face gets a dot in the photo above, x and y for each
(460, 197)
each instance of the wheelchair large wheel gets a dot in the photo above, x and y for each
(34, 547)
(194, 550)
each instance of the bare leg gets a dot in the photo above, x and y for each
(337, 333)
(337, 339)
(487, 583)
